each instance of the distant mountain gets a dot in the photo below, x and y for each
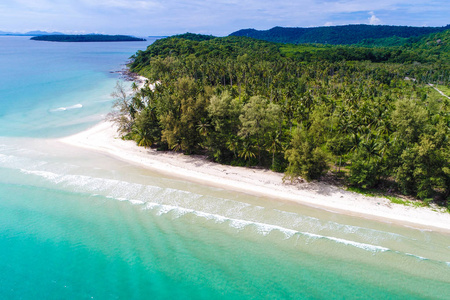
(29, 33)
(87, 38)
(39, 32)
(346, 34)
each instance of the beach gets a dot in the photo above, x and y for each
(104, 138)
(97, 217)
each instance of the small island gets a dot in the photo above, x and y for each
(87, 38)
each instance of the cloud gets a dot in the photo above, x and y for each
(218, 17)
(133, 5)
(373, 20)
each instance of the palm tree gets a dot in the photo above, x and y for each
(247, 151)
(177, 146)
(233, 144)
(134, 86)
(142, 137)
(372, 148)
(202, 127)
(274, 145)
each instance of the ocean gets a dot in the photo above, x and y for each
(75, 224)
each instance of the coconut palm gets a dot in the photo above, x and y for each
(247, 151)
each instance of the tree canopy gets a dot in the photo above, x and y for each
(86, 38)
(336, 35)
(363, 114)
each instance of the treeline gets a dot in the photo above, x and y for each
(246, 102)
(336, 35)
(435, 45)
(86, 38)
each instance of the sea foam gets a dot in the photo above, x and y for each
(67, 108)
(261, 228)
(179, 203)
(171, 201)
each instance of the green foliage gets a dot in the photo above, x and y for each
(365, 172)
(347, 34)
(425, 164)
(146, 129)
(298, 109)
(86, 38)
(409, 118)
(445, 89)
(259, 118)
(194, 37)
(183, 111)
(305, 158)
(222, 141)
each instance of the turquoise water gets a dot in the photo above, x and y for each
(52, 89)
(80, 225)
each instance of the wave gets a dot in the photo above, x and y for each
(67, 108)
(261, 228)
(417, 256)
(120, 190)
(367, 234)
(12, 162)
(265, 228)
(419, 229)
(235, 214)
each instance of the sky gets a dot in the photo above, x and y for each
(216, 17)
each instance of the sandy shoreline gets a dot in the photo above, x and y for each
(103, 138)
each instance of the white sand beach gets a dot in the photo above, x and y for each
(103, 138)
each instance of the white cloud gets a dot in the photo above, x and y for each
(219, 17)
(135, 5)
(373, 20)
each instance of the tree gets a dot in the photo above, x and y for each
(274, 145)
(247, 151)
(123, 112)
(258, 118)
(182, 111)
(146, 129)
(305, 158)
(223, 111)
(425, 165)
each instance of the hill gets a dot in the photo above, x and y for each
(435, 43)
(87, 38)
(345, 35)
(29, 33)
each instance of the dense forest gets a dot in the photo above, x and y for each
(86, 38)
(336, 35)
(365, 116)
(437, 43)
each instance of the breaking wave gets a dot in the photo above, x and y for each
(67, 108)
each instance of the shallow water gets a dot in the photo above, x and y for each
(76, 224)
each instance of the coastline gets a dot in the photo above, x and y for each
(103, 138)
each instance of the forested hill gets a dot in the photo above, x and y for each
(434, 41)
(364, 116)
(86, 38)
(344, 35)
